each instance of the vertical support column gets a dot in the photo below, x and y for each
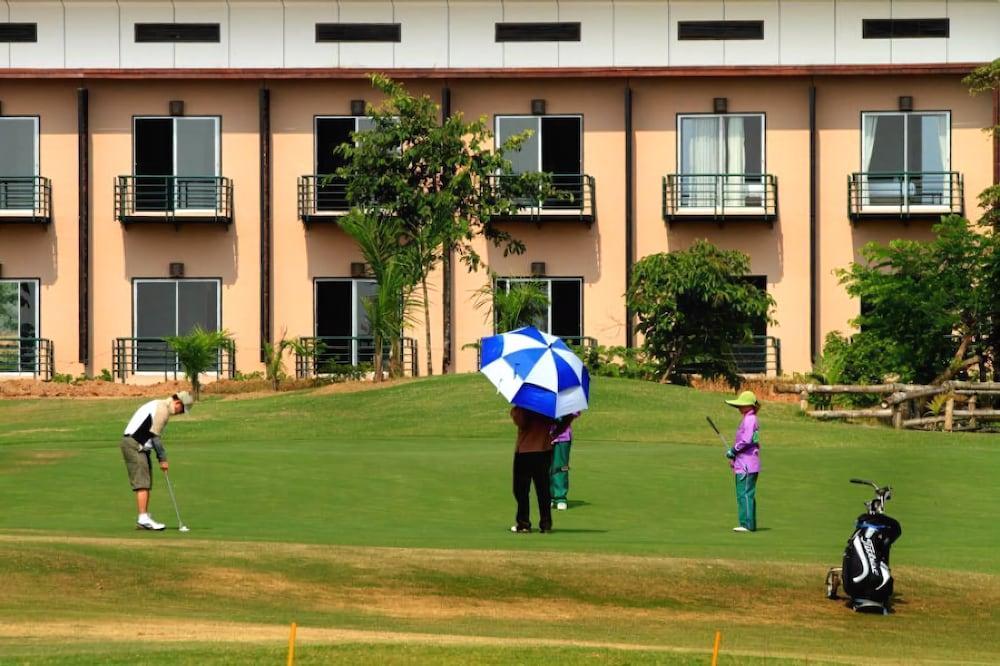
(83, 224)
(266, 297)
(629, 211)
(448, 269)
(813, 268)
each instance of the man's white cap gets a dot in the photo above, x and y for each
(185, 399)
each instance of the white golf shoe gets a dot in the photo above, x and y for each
(561, 506)
(740, 529)
(146, 522)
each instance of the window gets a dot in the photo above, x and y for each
(702, 30)
(331, 132)
(555, 147)
(358, 32)
(176, 33)
(721, 161)
(537, 32)
(176, 163)
(18, 32)
(342, 321)
(170, 307)
(18, 325)
(18, 164)
(905, 158)
(564, 315)
(905, 28)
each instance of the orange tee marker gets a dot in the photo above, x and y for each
(715, 649)
(291, 646)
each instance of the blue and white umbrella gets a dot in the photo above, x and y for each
(536, 371)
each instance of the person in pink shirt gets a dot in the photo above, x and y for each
(744, 458)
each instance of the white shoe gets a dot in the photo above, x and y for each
(740, 529)
(561, 506)
(147, 523)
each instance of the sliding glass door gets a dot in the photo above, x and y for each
(721, 161)
(905, 159)
(176, 164)
(18, 325)
(18, 164)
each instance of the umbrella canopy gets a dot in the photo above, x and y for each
(536, 371)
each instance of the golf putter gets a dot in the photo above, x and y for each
(712, 423)
(170, 487)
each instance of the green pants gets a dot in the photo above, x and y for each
(746, 500)
(559, 472)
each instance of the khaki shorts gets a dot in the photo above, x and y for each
(137, 463)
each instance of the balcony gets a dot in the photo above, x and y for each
(173, 200)
(904, 195)
(720, 197)
(24, 357)
(153, 356)
(322, 198)
(572, 199)
(328, 353)
(760, 356)
(25, 199)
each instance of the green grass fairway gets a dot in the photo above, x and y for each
(378, 521)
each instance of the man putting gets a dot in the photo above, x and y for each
(142, 435)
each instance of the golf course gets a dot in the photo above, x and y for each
(379, 522)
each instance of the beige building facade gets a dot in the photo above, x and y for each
(150, 186)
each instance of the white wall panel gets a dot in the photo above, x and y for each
(807, 32)
(975, 31)
(256, 34)
(754, 51)
(641, 33)
(424, 28)
(471, 34)
(4, 48)
(366, 54)
(144, 55)
(921, 50)
(92, 35)
(851, 48)
(597, 34)
(48, 50)
(695, 52)
(203, 55)
(530, 54)
(301, 49)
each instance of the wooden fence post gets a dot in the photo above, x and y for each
(949, 415)
(804, 401)
(972, 410)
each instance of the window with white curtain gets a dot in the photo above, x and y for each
(721, 160)
(905, 158)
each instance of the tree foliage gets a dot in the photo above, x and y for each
(199, 352)
(274, 358)
(522, 303)
(419, 188)
(692, 306)
(930, 307)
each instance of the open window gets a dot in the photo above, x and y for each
(19, 343)
(563, 316)
(176, 165)
(905, 162)
(341, 322)
(721, 159)
(21, 188)
(170, 307)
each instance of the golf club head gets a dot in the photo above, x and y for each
(183, 528)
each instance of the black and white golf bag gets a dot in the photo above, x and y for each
(865, 573)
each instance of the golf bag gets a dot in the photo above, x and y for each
(865, 573)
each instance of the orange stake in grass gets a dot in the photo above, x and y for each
(715, 650)
(291, 646)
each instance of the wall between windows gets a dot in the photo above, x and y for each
(460, 33)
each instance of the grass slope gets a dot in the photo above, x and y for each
(386, 511)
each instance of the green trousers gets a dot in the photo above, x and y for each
(746, 500)
(559, 472)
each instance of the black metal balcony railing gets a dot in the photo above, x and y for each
(173, 199)
(760, 356)
(130, 356)
(326, 353)
(904, 194)
(572, 199)
(720, 196)
(322, 198)
(25, 199)
(27, 356)
(584, 341)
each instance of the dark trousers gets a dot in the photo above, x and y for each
(533, 468)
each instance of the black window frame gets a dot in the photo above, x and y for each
(18, 33)
(906, 28)
(720, 30)
(537, 31)
(177, 33)
(359, 33)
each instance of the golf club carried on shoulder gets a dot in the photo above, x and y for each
(865, 572)
(182, 527)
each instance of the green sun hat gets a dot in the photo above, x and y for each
(745, 399)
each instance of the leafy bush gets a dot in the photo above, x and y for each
(617, 361)
(198, 352)
(336, 373)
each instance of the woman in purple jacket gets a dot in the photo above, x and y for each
(744, 457)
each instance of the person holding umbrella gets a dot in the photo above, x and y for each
(744, 458)
(544, 380)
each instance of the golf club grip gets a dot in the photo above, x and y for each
(863, 482)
